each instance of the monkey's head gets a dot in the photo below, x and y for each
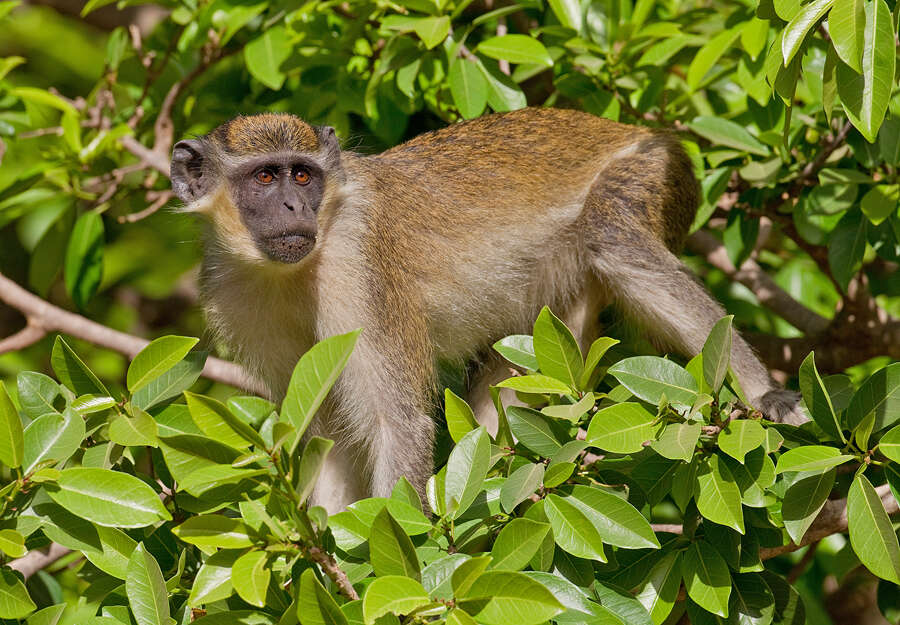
(261, 180)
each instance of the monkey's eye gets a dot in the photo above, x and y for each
(264, 176)
(301, 177)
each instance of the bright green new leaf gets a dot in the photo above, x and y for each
(214, 531)
(811, 458)
(865, 95)
(516, 49)
(556, 350)
(741, 436)
(504, 597)
(520, 485)
(146, 589)
(573, 530)
(621, 428)
(432, 30)
(535, 383)
(157, 358)
(651, 377)
(315, 605)
(795, 32)
(880, 202)
(708, 55)
(458, 617)
(250, 577)
(393, 594)
(818, 399)
(717, 494)
(109, 498)
(460, 418)
(12, 444)
(517, 543)
(519, 350)
(14, 600)
(706, 577)
(871, 533)
(847, 27)
(595, 354)
(717, 353)
(264, 56)
(316, 372)
(391, 550)
(12, 543)
(83, 267)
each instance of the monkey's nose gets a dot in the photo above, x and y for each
(288, 206)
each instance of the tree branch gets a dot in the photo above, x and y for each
(36, 559)
(43, 317)
(336, 573)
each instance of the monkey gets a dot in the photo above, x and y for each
(437, 248)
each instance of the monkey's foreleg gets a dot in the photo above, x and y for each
(664, 298)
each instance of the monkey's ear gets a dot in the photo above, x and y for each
(190, 177)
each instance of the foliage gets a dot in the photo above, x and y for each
(201, 508)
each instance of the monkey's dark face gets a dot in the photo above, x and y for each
(278, 196)
(261, 181)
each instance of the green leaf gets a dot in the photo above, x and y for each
(753, 36)
(717, 495)
(573, 531)
(847, 27)
(458, 617)
(214, 530)
(467, 573)
(817, 398)
(519, 350)
(172, 383)
(618, 522)
(315, 605)
(37, 392)
(108, 498)
(12, 543)
(393, 594)
(213, 581)
(14, 600)
(556, 350)
(504, 597)
(218, 423)
(517, 543)
(391, 550)
(468, 464)
(651, 377)
(558, 473)
(84, 259)
(568, 12)
(72, 372)
(878, 395)
(158, 357)
(865, 95)
(803, 501)
(706, 577)
(571, 412)
(133, 431)
(805, 19)
(811, 458)
(311, 464)
(595, 354)
(432, 30)
(752, 602)
(724, 132)
(717, 353)
(621, 428)
(516, 49)
(503, 93)
(660, 589)
(12, 443)
(146, 589)
(741, 436)
(707, 56)
(536, 384)
(889, 444)
(250, 577)
(520, 485)
(460, 418)
(880, 202)
(847, 246)
(871, 533)
(316, 372)
(265, 55)
(51, 437)
(678, 441)
(469, 89)
(533, 430)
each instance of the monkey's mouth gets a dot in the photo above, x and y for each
(289, 247)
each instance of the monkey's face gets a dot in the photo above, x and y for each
(261, 181)
(278, 196)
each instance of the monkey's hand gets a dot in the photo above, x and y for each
(782, 406)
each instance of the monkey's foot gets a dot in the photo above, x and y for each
(782, 406)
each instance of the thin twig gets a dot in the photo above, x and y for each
(161, 198)
(333, 571)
